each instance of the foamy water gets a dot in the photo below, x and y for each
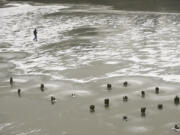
(80, 49)
(70, 37)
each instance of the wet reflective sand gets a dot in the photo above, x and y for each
(33, 113)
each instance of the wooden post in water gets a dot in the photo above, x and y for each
(143, 111)
(53, 99)
(19, 92)
(109, 86)
(125, 84)
(125, 118)
(160, 106)
(142, 93)
(106, 102)
(125, 98)
(92, 108)
(42, 87)
(176, 100)
(157, 90)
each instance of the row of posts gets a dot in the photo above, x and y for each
(125, 99)
(106, 101)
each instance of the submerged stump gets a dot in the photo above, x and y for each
(143, 111)
(106, 102)
(176, 100)
(125, 118)
(19, 92)
(73, 95)
(125, 98)
(109, 86)
(176, 126)
(143, 94)
(42, 87)
(160, 106)
(125, 84)
(53, 99)
(92, 108)
(157, 90)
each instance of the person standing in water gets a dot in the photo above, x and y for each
(35, 35)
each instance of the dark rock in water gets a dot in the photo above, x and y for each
(19, 92)
(142, 93)
(157, 90)
(176, 100)
(125, 84)
(143, 111)
(106, 102)
(42, 87)
(125, 98)
(11, 81)
(109, 86)
(125, 118)
(160, 106)
(92, 108)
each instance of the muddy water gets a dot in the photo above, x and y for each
(80, 49)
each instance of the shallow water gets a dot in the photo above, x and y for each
(80, 49)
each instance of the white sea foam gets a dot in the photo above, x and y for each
(134, 42)
(2, 126)
(30, 132)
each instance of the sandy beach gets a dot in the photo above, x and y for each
(80, 49)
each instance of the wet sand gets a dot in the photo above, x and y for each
(33, 113)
